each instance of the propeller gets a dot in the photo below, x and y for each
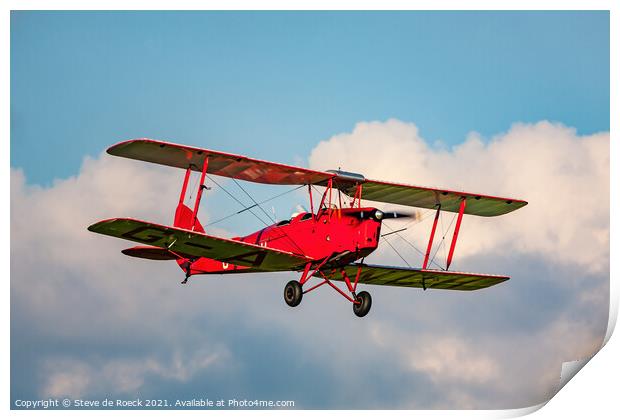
(395, 215)
(382, 215)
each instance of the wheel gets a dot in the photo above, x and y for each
(293, 293)
(365, 301)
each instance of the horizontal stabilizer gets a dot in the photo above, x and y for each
(426, 279)
(150, 253)
(190, 243)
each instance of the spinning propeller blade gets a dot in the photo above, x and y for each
(398, 215)
(382, 215)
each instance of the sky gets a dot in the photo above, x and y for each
(268, 84)
(504, 103)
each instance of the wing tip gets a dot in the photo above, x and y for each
(114, 150)
(94, 227)
(515, 205)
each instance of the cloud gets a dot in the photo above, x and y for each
(88, 321)
(68, 377)
(563, 176)
(442, 357)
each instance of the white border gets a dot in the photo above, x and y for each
(310, 5)
(592, 393)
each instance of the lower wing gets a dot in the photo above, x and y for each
(185, 243)
(425, 279)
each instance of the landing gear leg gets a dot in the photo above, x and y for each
(187, 275)
(187, 267)
(362, 300)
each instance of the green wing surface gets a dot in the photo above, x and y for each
(424, 197)
(187, 242)
(428, 279)
(261, 171)
(220, 163)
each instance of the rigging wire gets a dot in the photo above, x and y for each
(254, 205)
(397, 253)
(397, 232)
(383, 237)
(269, 216)
(318, 192)
(415, 221)
(407, 241)
(192, 185)
(443, 240)
(321, 194)
(442, 243)
(236, 199)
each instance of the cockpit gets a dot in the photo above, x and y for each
(295, 217)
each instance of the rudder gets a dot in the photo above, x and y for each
(184, 218)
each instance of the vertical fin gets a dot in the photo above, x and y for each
(184, 218)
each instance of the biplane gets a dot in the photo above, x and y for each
(328, 244)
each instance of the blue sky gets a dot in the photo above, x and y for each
(391, 95)
(272, 85)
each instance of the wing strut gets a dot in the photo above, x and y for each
(455, 235)
(311, 201)
(325, 195)
(188, 172)
(357, 196)
(201, 187)
(430, 240)
(178, 214)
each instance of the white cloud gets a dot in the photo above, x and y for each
(59, 267)
(443, 358)
(69, 282)
(72, 288)
(563, 176)
(515, 370)
(75, 378)
(69, 379)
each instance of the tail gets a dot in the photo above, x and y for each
(184, 218)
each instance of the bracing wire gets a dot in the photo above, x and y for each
(409, 242)
(443, 240)
(397, 233)
(254, 201)
(269, 217)
(397, 253)
(192, 185)
(247, 208)
(321, 194)
(236, 199)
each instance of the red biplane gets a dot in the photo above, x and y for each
(326, 244)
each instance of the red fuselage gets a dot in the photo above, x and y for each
(343, 235)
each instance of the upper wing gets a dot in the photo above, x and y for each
(187, 242)
(410, 195)
(428, 279)
(220, 163)
(256, 170)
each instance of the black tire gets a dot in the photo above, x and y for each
(293, 293)
(365, 302)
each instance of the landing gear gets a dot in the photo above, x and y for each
(187, 267)
(364, 301)
(186, 278)
(293, 293)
